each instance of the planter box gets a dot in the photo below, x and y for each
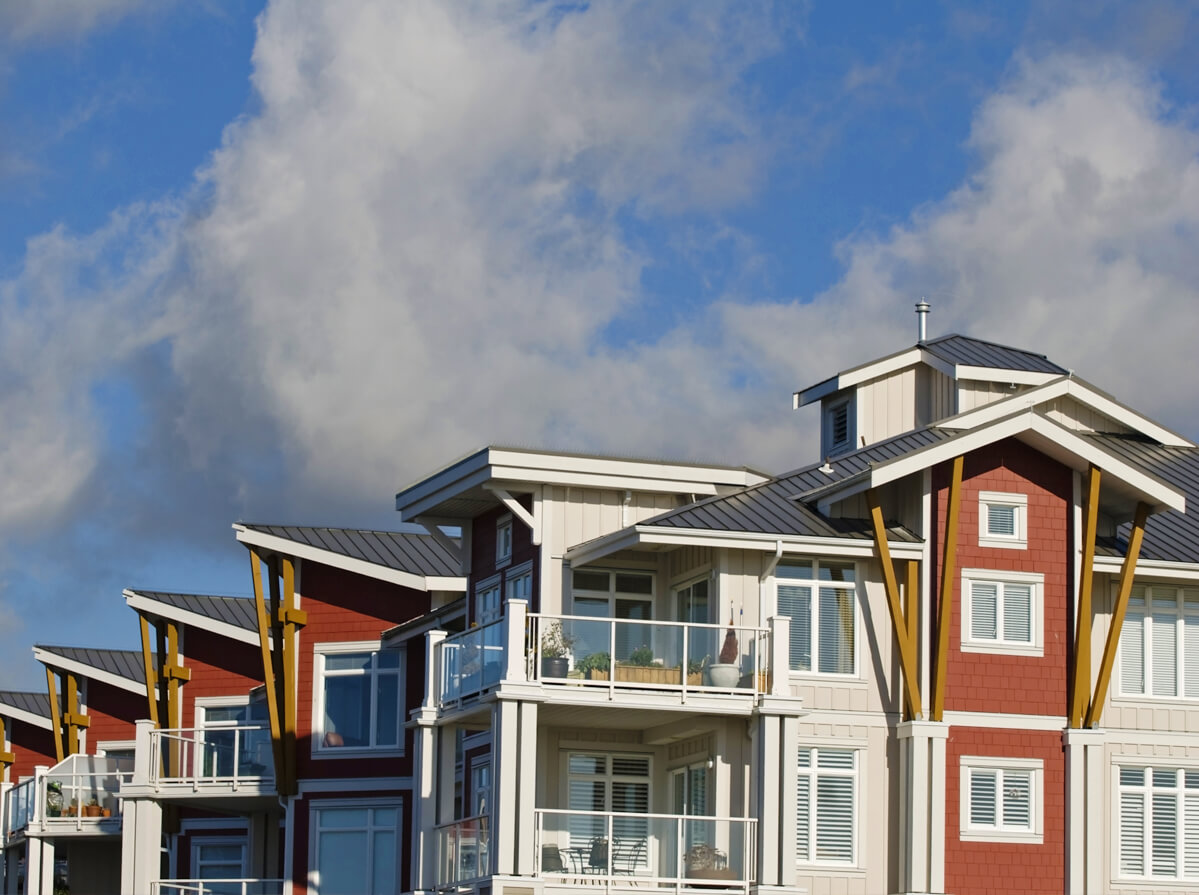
(641, 674)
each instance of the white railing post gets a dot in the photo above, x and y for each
(433, 681)
(780, 650)
(144, 760)
(39, 800)
(515, 621)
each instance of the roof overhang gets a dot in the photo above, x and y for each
(640, 537)
(1169, 571)
(91, 672)
(25, 716)
(276, 544)
(524, 470)
(142, 604)
(1124, 485)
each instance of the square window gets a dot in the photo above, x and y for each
(359, 697)
(826, 806)
(355, 846)
(820, 597)
(1002, 520)
(1001, 799)
(503, 542)
(1002, 612)
(1158, 824)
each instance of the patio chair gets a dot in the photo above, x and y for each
(597, 861)
(551, 860)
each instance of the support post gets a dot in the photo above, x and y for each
(55, 714)
(911, 611)
(948, 576)
(6, 758)
(1081, 689)
(907, 650)
(148, 666)
(516, 615)
(268, 669)
(288, 620)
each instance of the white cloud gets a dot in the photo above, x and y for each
(43, 20)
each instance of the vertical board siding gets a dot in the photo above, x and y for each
(887, 406)
(1074, 415)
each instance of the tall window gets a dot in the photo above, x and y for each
(518, 582)
(693, 602)
(625, 596)
(1159, 823)
(599, 783)
(1002, 611)
(360, 696)
(1159, 644)
(1001, 799)
(1002, 520)
(226, 737)
(487, 600)
(827, 806)
(503, 542)
(355, 847)
(819, 596)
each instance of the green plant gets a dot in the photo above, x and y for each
(642, 656)
(697, 667)
(555, 643)
(594, 662)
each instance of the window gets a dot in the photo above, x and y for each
(214, 858)
(503, 542)
(487, 600)
(819, 596)
(827, 806)
(625, 596)
(1002, 612)
(359, 698)
(230, 752)
(1002, 520)
(1159, 823)
(838, 430)
(603, 783)
(1159, 643)
(1001, 799)
(518, 582)
(355, 846)
(693, 602)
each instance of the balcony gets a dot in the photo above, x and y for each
(582, 658)
(78, 796)
(217, 887)
(462, 851)
(659, 851)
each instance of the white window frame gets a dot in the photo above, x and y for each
(1180, 880)
(503, 542)
(815, 584)
(1034, 833)
(813, 772)
(1018, 540)
(1144, 618)
(489, 600)
(320, 651)
(197, 842)
(1036, 582)
(515, 575)
(314, 831)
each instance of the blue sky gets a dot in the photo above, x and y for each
(271, 262)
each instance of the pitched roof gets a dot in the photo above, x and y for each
(122, 663)
(1170, 536)
(236, 611)
(416, 554)
(965, 351)
(33, 703)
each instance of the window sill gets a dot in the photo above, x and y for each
(1013, 836)
(1002, 543)
(1003, 649)
(825, 866)
(355, 752)
(816, 677)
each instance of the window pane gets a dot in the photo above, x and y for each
(1164, 654)
(793, 569)
(1190, 656)
(804, 814)
(836, 631)
(1132, 833)
(836, 571)
(1017, 613)
(342, 861)
(387, 726)
(796, 602)
(984, 600)
(1001, 520)
(348, 662)
(1017, 800)
(1132, 655)
(587, 764)
(982, 798)
(634, 584)
(347, 711)
(630, 766)
(836, 758)
(834, 819)
(591, 581)
(342, 817)
(383, 863)
(1190, 832)
(389, 658)
(1165, 834)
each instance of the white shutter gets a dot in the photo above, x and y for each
(983, 808)
(1132, 833)
(1164, 847)
(1017, 613)
(1190, 657)
(796, 602)
(1017, 800)
(1132, 654)
(834, 819)
(835, 646)
(1164, 653)
(984, 599)
(1190, 826)
(803, 825)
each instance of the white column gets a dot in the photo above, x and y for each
(788, 799)
(505, 769)
(39, 866)
(144, 757)
(938, 736)
(433, 641)
(526, 819)
(424, 809)
(516, 614)
(141, 839)
(922, 805)
(769, 732)
(1085, 812)
(780, 650)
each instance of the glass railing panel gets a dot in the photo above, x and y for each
(86, 786)
(463, 850)
(218, 887)
(212, 755)
(19, 806)
(472, 662)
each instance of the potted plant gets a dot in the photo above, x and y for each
(555, 647)
(92, 808)
(695, 670)
(726, 673)
(594, 666)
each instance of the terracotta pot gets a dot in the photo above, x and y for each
(92, 810)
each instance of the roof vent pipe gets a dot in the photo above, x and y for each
(922, 309)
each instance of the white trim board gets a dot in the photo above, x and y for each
(141, 603)
(54, 660)
(25, 717)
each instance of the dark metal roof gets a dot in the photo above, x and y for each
(1169, 536)
(957, 349)
(417, 554)
(236, 611)
(33, 703)
(122, 663)
(773, 508)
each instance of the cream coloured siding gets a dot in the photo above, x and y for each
(886, 406)
(1074, 415)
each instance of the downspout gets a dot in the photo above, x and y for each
(768, 571)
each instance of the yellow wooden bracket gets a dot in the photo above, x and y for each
(55, 715)
(7, 758)
(76, 719)
(176, 673)
(1124, 591)
(148, 668)
(907, 648)
(72, 710)
(948, 580)
(297, 617)
(1081, 682)
(268, 669)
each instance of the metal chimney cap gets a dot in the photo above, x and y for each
(922, 309)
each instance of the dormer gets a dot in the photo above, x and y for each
(920, 386)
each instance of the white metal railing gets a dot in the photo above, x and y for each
(227, 756)
(217, 887)
(463, 849)
(79, 790)
(614, 652)
(471, 662)
(662, 851)
(19, 805)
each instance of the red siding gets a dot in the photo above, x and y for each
(219, 667)
(113, 712)
(989, 682)
(31, 746)
(991, 868)
(482, 553)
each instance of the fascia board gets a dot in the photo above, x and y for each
(999, 374)
(579, 479)
(141, 603)
(414, 502)
(621, 468)
(348, 563)
(441, 479)
(1155, 567)
(866, 372)
(54, 660)
(16, 714)
(1055, 437)
(988, 413)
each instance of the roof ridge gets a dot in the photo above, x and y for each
(948, 336)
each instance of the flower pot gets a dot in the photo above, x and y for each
(724, 676)
(92, 810)
(555, 667)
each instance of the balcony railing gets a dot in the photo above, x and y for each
(471, 662)
(217, 887)
(463, 848)
(614, 652)
(229, 757)
(660, 851)
(80, 791)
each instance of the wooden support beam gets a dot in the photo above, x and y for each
(55, 714)
(148, 666)
(268, 671)
(288, 614)
(6, 758)
(72, 712)
(948, 579)
(907, 650)
(1124, 590)
(911, 608)
(174, 713)
(1081, 681)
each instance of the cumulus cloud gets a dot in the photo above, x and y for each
(49, 20)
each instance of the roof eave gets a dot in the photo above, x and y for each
(139, 602)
